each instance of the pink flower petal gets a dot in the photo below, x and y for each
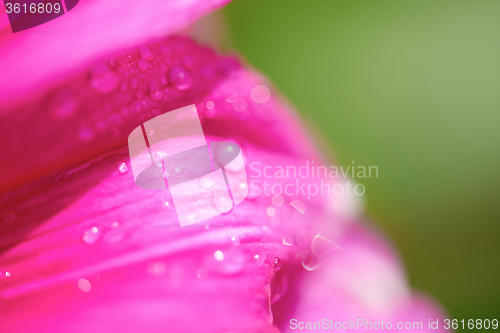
(34, 60)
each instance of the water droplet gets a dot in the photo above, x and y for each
(63, 105)
(260, 94)
(155, 92)
(151, 132)
(288, 239)
(299, 205)
(4, 274)
(308, 260)
(240, 105)
(278, 263)
(221, 202)
(123, 168)
(91, 235)
(270, 211)
(85, 134)
(156, 268)
(232, 98)
(180, 78)
(206, 182)
(146, 53)
(143, 65)
(321, 245)
(84, 285)
(9, 217)
(115, 225)
(210, 105)
(264, 228)
(103, 80)
(277, 200)
(219, 255)
(159, 165)
(202, 273)
(166, 204)
(243, 185)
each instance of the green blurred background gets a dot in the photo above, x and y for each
(412, 87)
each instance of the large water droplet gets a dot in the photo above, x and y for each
(221, 202)
(299, 205)
(219, 255)
(91, 235)
(180, 78)
(206, 182)
(104, 80)
(260, 94)
(84, 285)
(123, 168)
(321, 245)
(9, 217)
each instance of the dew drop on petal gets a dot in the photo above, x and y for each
(308, 260)
(9, 217)
(115, 225)
(180, 78)
(271, 211)
(260, 94)
(221, 202)
(91, 235)
(277, 200)
(278, 263)
(155, 92)
(146, 53)
(123, 168)
(229, 148)
(103, 80)
(288, 239)
(84, 285)
(322, 245)
(239, 105)
(219, 255)
(151, 132)
(210, 105)
(243, 185)
(299, 205)
(206, 182)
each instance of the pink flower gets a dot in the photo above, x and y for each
(84, 249)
